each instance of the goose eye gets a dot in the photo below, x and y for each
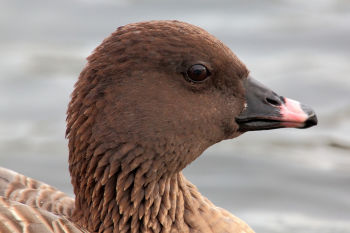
(197, 73)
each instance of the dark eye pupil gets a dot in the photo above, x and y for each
(197, 73)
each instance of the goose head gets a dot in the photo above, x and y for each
(173, 90)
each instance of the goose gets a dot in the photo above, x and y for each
(152, 97)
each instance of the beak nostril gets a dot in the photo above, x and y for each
(273, 102)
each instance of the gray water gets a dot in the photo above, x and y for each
(283, 181)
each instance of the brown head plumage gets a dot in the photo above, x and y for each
(135, 120)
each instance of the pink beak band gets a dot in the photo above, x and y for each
(267, 110)
(294, 114)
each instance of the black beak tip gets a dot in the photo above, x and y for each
(311, 121)
(312, 118)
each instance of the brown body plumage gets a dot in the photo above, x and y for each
(134, 122)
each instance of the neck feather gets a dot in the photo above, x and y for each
(128, 190)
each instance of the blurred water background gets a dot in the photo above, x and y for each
(283, 181)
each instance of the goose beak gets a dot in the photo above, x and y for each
(266, 110)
